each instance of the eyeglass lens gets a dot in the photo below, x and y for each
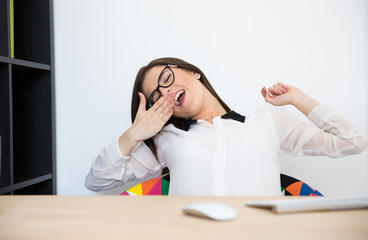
(165, 80)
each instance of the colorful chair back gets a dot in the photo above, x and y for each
(294, 187)
(160, 186)
(155, 186)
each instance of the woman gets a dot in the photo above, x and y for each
(180, 123)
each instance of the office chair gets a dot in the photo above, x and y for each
(294, 187)
(160, 186)
(155, 186)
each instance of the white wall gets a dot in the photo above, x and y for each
(318, 46)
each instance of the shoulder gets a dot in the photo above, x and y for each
(170, 128)
(267, 116)
(262, 113)
(166, 132)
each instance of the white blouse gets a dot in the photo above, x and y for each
(230, 157)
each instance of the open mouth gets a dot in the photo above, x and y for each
(179, 98)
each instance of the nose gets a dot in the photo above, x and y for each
(166, 91)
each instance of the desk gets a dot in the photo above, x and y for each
(159, 217)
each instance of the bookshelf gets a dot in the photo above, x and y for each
(27, 108)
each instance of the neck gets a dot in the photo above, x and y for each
(211, 109)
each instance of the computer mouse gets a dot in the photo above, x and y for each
(215, 211)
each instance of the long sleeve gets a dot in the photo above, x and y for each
(111, 169)
(332, 135)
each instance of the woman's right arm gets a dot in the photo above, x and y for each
(129, 158)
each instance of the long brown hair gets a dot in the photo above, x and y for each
(177, 122)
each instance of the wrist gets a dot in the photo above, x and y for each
(130, 136)
(127, 142)
(303, 102)
(296, 97)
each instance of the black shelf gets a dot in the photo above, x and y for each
(32, 28)
(4, 29)
(25, 184)
(27, 118)
(32, 129)
(41, 188)
(5, 126)
(24, 64)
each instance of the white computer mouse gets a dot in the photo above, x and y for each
(215, 211)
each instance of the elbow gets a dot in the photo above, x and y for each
(91, 187)
(363, 144)
(96, 184)
(89, 184)
(353, 147)
(360, 145)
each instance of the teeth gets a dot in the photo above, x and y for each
(177, 96)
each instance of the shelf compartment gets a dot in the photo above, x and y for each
(18, 63)
(32, 30)
(5, 126)
(25, 184)
(42, 187)
(32, 124)
(4, 28)
(27, 163)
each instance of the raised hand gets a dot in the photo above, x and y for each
(147, 123)
(280, 94)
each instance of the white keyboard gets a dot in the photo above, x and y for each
(311, 204)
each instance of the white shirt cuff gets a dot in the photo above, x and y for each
(114, 154)
(321, 114)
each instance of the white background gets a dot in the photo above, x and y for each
(319, 46)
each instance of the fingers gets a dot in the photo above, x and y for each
(163, 112)
(278, 89)
(162, 100)
(279, 94)
(166, 116)
(163, 103)
(266, 95)
(165, 107)
(142, 102)
(281, 85)
(264, 92)
(160, 112)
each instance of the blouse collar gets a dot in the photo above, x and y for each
(230, 115)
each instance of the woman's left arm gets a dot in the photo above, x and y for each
(333, 137)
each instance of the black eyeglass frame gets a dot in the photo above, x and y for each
(150, 99)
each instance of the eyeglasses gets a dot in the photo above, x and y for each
(165, 80)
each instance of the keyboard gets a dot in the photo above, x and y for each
(303, 204)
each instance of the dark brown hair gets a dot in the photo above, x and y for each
(177, 122)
